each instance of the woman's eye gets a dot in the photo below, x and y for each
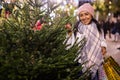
(81, 15)
(86, 14)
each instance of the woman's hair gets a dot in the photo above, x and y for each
(97, 25)
(75, 29)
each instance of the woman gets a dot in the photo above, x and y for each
(95, 46)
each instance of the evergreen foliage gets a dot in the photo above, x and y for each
(26, 54)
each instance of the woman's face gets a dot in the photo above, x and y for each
(85, 17)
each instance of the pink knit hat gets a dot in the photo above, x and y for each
(86, 7)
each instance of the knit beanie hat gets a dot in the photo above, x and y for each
(86, 7)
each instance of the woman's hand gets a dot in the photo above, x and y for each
(103, 50)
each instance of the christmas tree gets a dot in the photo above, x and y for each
(26, 54)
